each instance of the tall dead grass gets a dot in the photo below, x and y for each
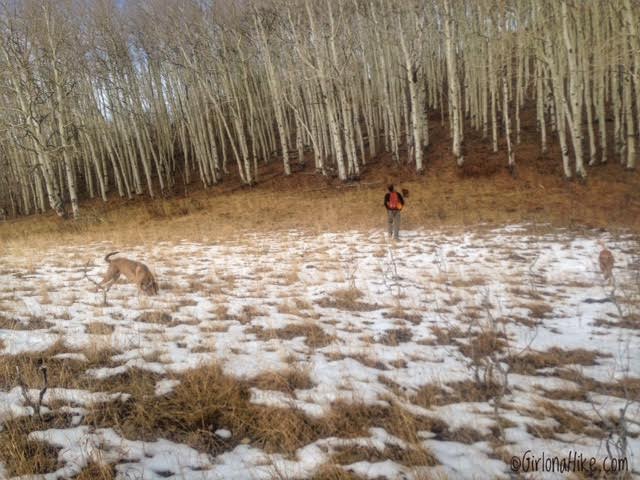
(206, 400)
(309, 203)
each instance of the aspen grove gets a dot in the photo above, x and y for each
(100, 98)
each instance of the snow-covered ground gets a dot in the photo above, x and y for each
(410, 312)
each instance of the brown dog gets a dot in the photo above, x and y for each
(135, 272)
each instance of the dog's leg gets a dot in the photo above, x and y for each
(110, 278)
(139, 279)
(145, 281)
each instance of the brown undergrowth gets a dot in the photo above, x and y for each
(205, 400)
(482, 191)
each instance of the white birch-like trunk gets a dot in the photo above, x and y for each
(629, 79)
(507, 124)
(453, 81)
(414, 84)
(574, 114)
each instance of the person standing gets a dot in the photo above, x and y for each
(394, 203)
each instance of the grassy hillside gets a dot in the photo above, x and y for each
(483, 191)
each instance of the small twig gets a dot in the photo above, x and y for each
(532, 274)
(23, 388)
(617, 428)
(390, 275)
(25, 392)
(392, 263)
(104, 289)
(45, 385)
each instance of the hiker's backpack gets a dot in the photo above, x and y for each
(394, 201)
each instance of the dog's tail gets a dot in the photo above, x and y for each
(106, 258)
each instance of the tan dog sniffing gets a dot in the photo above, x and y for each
(135, 272)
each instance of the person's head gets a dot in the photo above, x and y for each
(390, 187)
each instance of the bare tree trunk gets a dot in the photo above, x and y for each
(574, 114)
(452, 80)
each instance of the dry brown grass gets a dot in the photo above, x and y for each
(483, 344)
(471, 391)
(538, 310)
(348, 299)
(289, 308)
(212, 288)
(181, 207)
(203, 349)
(630, 321)
(576, 284)
(99, 354)
(334, 472)
(392, 385)
(156, 317)
(626, 387)
(396, 336)
(43, 292)
(348, 420)
(579, 395)
(287, 381)
(95, 471)
(315, 336)
(63, 373)
(368, 361)
(22, 456)
(430, 395)
(358, 453)
(297, 307)
(526, 321)
(400, 363)
(611, 199)
(466, 435)
(529, 363)
(403, 314)
(566, 421)
(452, 300)
(302, 304)
(466, 283)
(219, 328)
(444, 335)
(221, 311)
(34, 323)
(527, 293)
(206, 399)
(183, 302)
(455, 392)
(292, 275)
(99, 328)
(248, 313)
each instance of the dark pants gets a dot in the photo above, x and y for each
(394, 223)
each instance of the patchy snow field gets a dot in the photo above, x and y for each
(506, 341)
